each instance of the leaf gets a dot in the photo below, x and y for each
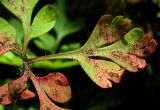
(7, 37)
(110, 50)
(10, 58)
(5, 97)
(54, 86)
(19, 30)
(6, 44)
(7, 29)
(2, 107)
(22, 9)
(42, 25)
(46, 42)
(30, 54)
(15, 90)
(123, 51)
(64, 26)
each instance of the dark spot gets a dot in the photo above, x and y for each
(1, 99)
(113, 75)
(59, 82)
(48, 108)
(89, 51)
(22, 8)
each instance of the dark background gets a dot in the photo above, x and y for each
(136, 91)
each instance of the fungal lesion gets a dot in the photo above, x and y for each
(16, 89)
(113, 75)
(59, 82)
(8, 43)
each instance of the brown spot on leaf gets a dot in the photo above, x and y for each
(145, 46)
(59, 82)
(7, 44)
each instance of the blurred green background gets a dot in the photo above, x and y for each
(75, 22)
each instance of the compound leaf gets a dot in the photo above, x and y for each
(43, 21)
(111, 49)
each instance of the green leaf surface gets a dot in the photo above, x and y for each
(30, 54)
(10, 58)
(19, 30)
(7, 29)
(22, 9)
(45, 42)
(64, 26)
(43, 21)
(2, 107)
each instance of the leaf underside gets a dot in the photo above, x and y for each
(111, 50)
(53, 86)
